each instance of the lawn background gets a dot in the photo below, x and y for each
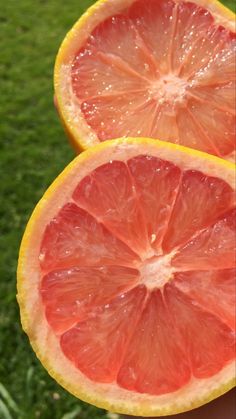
(33, 151)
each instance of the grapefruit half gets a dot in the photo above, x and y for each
(126, 277)
(158, 68)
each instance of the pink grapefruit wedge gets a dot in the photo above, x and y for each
(150, 68)
(126, 277)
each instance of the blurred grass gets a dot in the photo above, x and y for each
(33, 150)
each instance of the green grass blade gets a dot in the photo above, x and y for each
(8, 399)
(73, 414)
(29, 384)
(4, 411)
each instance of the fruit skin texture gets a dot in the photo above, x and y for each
(108, 400)
(77, 136)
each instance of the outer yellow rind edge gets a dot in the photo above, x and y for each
(79, 392)
(77, 141)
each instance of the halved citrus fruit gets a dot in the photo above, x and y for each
(126, 277)
(158, 68)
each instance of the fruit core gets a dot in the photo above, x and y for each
(169, 89)
(155, 272)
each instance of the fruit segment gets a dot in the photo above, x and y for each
(155, 22)
(219, 66)
(157, 183)
(74, 238)
(200, 333)
(109, 194)
(200, 201)
(222, 96)
(214, 291)
(155, 362)
(192, 133)
(114, 119)
(213, 248)
(69, 295)
(213, 47)
(97, 346)
(162, 69)
(212, 122)
(191, 29)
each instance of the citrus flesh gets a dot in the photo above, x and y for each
(126, 277)
(162, 69)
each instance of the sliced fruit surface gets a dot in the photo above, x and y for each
(158, 68)
(126, 277)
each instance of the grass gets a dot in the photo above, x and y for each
(33, 151)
